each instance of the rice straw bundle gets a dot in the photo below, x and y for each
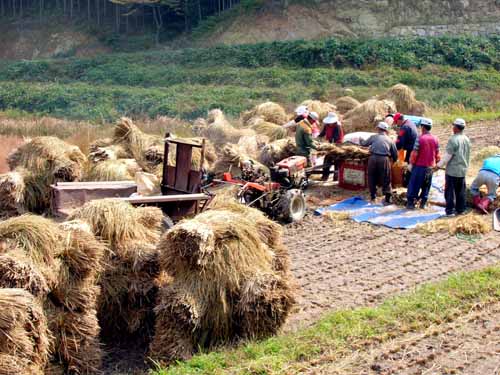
(77, 340)
(345, 103)
(230, 160)
(225, 278)
(113, 170)
(344, 151)
(12, 190)
(44, 161)
(127, 291)
(268, 111)
(404, 99)
(18, 271)
(273, 131)
(13, 365)
(418, 108)
(469, 225)
(220, 131)
(23, 330)
(100, 143)
(251, 145)
(276, 151)
(112, 152)
(367, 115)
(321, 108)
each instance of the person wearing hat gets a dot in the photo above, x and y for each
(333, 133)
(304, 139)
(301, 113)
(407, 134)
(489, 175)
(314, 121)
(382, 150)
(423, 159)
(456, 160)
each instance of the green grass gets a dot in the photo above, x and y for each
(341, 332)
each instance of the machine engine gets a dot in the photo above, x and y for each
(290, 173)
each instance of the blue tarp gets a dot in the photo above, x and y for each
(391, 216)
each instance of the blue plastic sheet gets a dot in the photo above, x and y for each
(390, 216)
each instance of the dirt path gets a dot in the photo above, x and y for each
(469, 345)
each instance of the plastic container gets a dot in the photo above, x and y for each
(353, 175)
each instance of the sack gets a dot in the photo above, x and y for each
(147, 184)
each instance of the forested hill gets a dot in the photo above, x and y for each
(61, 28)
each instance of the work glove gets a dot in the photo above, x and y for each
(410, 167)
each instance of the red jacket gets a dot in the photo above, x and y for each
(333, 133)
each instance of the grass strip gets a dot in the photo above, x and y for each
(340, 332)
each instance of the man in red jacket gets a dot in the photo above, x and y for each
(423, 159)
(333, 133)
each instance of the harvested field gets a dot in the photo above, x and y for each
(469, 345)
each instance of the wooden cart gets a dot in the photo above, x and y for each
(181, 192)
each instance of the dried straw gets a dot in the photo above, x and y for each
(268, 111)
(321, 108)
(343, 151)
(112, 152)
(12, 190)
(366, 116)
(113, 170)
(270, 130)
(230, 160)
(345, 103)
(404, 98)
(276, 151)
(220, 131)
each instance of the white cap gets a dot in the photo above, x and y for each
(332, 118)
(383, 126)
(301, 110)
(314, 115)
(426, 122)
(459, 123)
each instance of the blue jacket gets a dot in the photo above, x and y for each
(492, 165)
(407, 136)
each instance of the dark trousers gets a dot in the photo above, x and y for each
(420, 185)
(408, 155)
(327, 165)
(379, 174)
(454, 193)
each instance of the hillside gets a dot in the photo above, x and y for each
(291, 20)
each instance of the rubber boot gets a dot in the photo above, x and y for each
(387, 200)
(423, 204)
(484, 205)
(476, 200)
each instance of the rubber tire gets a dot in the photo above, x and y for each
(167, 223)
(292, 206)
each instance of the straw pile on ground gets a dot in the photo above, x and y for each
(268, 112)
(345, 103)
(113, 170)
(469, 225)
(343, 151)
(367, 115)
(405, 100)
(218, 129)
(230, 281)
(231, 159)
(321, 108)
(24, 336)
(270, 130)
(111, 152)
(36, 165)
(127, 291)
(59, 265)
(276, 151)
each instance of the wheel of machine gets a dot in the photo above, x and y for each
(167, 223)
(292, 206)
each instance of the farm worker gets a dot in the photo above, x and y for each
(407, 134)
(423, 159)
(333, 133)
(314, 121)
(304, 139)
(301, 113)
(456, 159)
(382, 149)
(389, 119)
(489, 175)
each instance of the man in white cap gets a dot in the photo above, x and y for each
(333, 133)
(301, 113)
(456, 159)
(382, 149)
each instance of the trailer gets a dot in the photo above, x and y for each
(181, 190)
